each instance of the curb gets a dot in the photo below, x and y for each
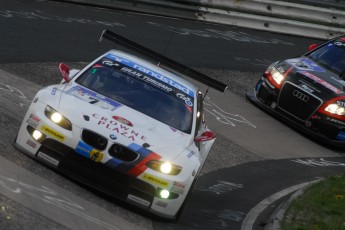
(274, 221)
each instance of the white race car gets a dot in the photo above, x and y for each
(124, 125)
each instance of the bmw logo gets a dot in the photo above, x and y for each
(113, 136)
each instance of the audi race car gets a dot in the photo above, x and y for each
(131, 127)
(308, 92)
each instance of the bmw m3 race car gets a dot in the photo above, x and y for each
(308, 91)
(125, 125)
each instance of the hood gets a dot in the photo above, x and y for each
(311, 76)
(119, 123)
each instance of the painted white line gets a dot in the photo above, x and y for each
(253, 214)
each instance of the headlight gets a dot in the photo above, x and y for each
(335, 109)
(274, 76)
(277, 76)
(164, 167)
(57, 118)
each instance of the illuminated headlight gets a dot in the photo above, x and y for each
(164, 167)
(277, 76)
(57, 118)
(335, 109)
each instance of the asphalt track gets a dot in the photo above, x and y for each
(256, 159)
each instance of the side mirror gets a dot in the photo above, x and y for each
(312, 46)
(206, 136)
(64, 70)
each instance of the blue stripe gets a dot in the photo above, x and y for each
(83, 149)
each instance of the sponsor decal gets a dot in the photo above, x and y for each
(339, 80)
(118, 128)
(93, 98)
(147, 79)
(337, 121)
(306, 88)
(138, 200)
(31, 143)
(155, 180)
(96, 155)
(190, 154)
(83, 149)
(52, 132)
(322, 82)
(341, 136)
(341, 103)
(33, 120)
(338, 43)
(161, 204)
(123, 120)
(152, 74)
(187, 100)
(54, 91)
(306, 64)
(89, 152)
(178, 187)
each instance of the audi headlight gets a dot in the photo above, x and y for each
(164, 167)
(57, 118)
(277, 76)
(335, 109)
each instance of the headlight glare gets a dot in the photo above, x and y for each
(164, 167)
(278, 77)
(57, 118)
(335, 109)
(37, 135)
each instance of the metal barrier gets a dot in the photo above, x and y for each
(314, 18)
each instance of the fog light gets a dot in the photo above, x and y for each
(164, 194)
(37, 135)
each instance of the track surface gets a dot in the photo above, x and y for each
(255, 156)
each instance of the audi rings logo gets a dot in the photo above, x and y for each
(303, 97)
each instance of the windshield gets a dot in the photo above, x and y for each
(331, 56)
(141, 90)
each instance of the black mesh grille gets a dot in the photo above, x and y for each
(122, 153)
(297, 102)
(105, 178)
(94, 139)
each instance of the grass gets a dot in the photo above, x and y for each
(322, 206)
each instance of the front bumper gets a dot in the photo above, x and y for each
(141, 191)
(319, 127)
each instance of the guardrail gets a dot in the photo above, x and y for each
(313, 20)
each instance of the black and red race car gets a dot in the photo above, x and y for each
(308, 92)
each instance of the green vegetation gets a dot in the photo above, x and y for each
(322, 206)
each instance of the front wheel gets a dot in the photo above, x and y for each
(179, 212)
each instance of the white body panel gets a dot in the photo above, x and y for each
(123, 125)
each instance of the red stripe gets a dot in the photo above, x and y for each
(141, 166)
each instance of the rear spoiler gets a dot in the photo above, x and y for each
(164, 60)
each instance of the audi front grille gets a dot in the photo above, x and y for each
(297, 102)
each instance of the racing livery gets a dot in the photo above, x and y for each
(308, 92)
(125, 126)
